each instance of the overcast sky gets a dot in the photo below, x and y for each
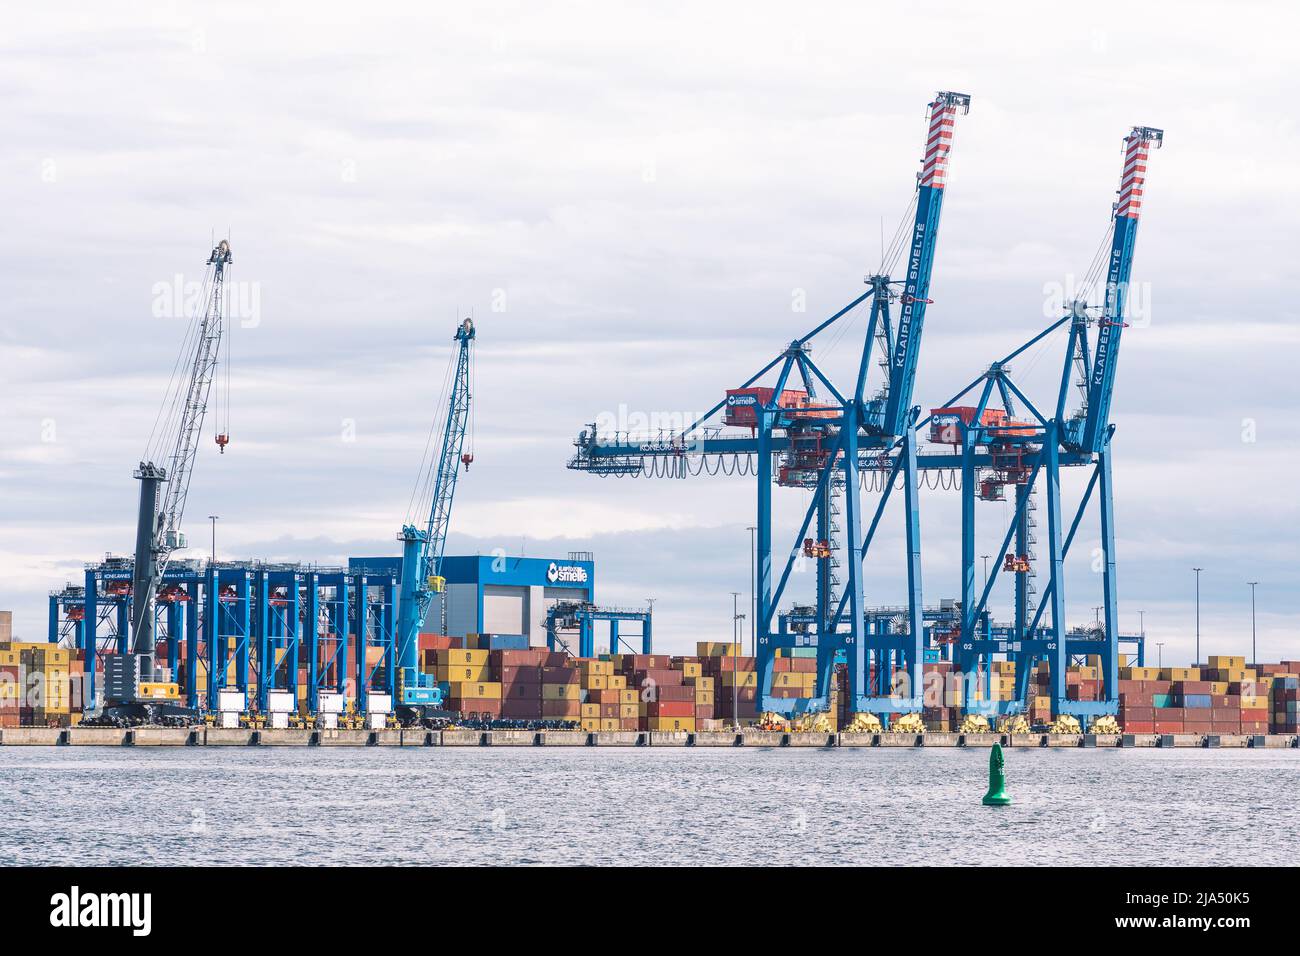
(632, 203)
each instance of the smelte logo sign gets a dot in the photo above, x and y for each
(74, 908)
(567, 573)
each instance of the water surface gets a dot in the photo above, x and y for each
(643, 806)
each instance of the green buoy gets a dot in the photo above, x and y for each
(997, 795)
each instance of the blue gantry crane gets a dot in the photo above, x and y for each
(581, 617)
(841, 445)
(828, 445)
(422, 547)
(998, 451)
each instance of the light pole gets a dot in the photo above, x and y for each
(753, 597)
(1142, 629)
(1254, 655)
(213, 519)
(1160, 654)
(736, 617)
(1198, 615)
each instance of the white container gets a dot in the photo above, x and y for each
(280, 702)
(229, 720)
(279, 721)
(330, 703)
(379, 704)
(231, 700)
(378, 721)
(328, 721)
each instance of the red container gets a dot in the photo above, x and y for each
(475, 705)
(533, 657)
(661, 676)
(511, 674)
(522, 709)
(560, 675)
(1167, 727)
(561, 708)
(671, 708)
(1127, 713)
(521, 690)
(746, 709)
(1198, 727)
(742, 404)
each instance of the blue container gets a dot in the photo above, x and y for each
(498, 642)
(1162, 700)
(1191, 700)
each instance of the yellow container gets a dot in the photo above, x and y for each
(591, 710)
(671, 723)
(591, 665)
(452, 656)
(703, 683)
(715, 649)
(590, 724)
(629, 697)
(480, 690)
(617, 682)
(704, 698)
(1226, 663)
(1254, 703)
(595, 681)
(1180, 673)
(462, 673)
(609, 723)
(1087, 673)
(628, 711)
(739, 679)
(690, 668)
(561, 692)
(9, 659)
(1139, 673)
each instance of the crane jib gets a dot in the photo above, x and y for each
(910, 298)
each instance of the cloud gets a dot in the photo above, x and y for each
(630, 203)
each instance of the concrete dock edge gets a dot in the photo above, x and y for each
(562, 738)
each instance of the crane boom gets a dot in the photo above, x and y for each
(423, 548)
(163, 489)
(1127, 210)
(920, 260)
